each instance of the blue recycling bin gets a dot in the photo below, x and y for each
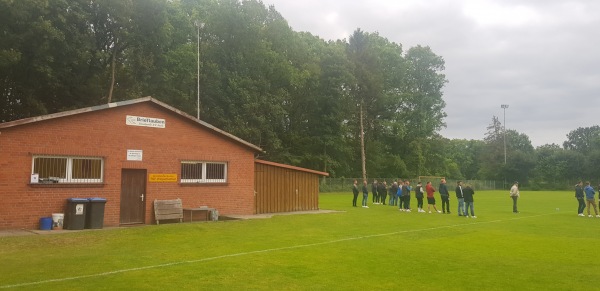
(46, 223)
(95, 213)
(76, 212)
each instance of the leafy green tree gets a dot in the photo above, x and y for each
(304, 100)
(130, 40)
(245, 80)
(59, 54)
(421, 110)
(465, 153)
(583, 139)
(317, 107)
(368, 84)
(423, 106)
(549, 166)
(492, 156)
(591, 165)
(399, 100)
(516, 141)
(520, 159)
(555, 165)
(519, 166)
(43, 56)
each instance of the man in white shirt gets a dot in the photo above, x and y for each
(514, 194)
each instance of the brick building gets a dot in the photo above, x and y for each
(131, 153)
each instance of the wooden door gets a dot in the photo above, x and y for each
(133, 196)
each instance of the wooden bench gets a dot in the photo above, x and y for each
(168, 209)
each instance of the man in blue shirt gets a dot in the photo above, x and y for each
(589, 196)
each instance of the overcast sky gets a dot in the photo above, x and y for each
(541, 57)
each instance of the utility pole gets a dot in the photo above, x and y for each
(504, 106)
(199, 25)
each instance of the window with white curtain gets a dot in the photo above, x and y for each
(68, 169)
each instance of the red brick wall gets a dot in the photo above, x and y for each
(104, 133)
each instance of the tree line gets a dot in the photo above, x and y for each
(356, 107)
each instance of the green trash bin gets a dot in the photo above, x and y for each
(76, 212)
(95, 213)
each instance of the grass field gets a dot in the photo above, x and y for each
(545, 247)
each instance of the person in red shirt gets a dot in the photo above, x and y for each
(430, 199)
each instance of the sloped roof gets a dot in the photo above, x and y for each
(291, 167)
(126, 103)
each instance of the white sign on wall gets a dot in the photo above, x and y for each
(135, 155)
(145, 121)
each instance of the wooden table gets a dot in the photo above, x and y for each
(191, 211)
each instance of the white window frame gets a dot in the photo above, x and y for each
(203, 179)
(69, 168)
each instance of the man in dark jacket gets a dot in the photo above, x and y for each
(580, 198)
(419, 196)
(355, 193)
(468, 193)
(406, 195)
(445, 196)
(382, 190)
(374, 190)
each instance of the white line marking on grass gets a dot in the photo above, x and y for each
(259, 252)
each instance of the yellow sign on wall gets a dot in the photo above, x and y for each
(162, 178)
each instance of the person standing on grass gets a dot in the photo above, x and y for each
(419, 196)
(460, 198)
(430, 199)
(514, 194)
(365, 191)
(445, 196)
(580, 198)
(468, 194)
(394, 194)
(399, 195)
(589, 195)
(382, 190)
(374, 191)
(355, 193)
(406, 195)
